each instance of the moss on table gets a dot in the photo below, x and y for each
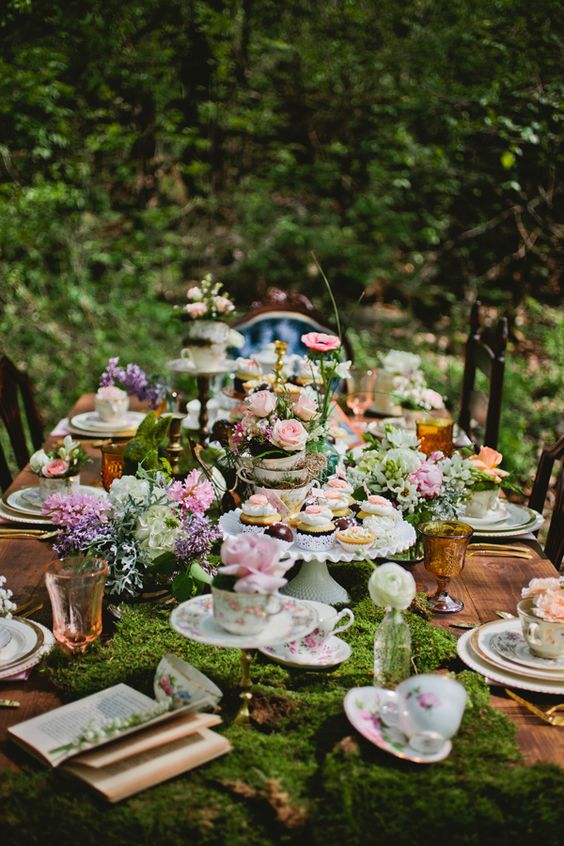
(301, 774)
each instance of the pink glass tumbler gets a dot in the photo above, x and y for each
(76, 590)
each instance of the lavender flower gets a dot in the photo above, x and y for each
(134, 380)
(196, 537)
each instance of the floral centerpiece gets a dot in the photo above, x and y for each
(208, 336)
(130, 380)
(393, 588)
(148, 530)
(400, 380)
(59, 469)
(422, 487)
(245, 589)
(486, 482)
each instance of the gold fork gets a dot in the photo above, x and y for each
(490, 553)
(546, 716)
(37, 534)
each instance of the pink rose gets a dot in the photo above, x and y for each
(194, 310)
(550, 605)
(55, 467)
(255, 561)
(289, 435)
(305, 407)
(536, 586)
(432, 398)
(321, 342)
(428, 478)
(223, 305)
(261, 403)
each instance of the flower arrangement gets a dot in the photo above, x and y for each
(325, 355)
(548, 598)
(133, 380)
(207, 301)
(6, 604)
(251, 564)
(410, 389)
(147, 528)
(60, 463)
(422, 487)
(487, 475)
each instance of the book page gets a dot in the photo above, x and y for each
(124, 778)
(60, 727)
(146, 739)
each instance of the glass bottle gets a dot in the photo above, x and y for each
(392, 650)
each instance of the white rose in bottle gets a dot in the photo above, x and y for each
(391, 585)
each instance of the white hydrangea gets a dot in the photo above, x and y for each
(157, 530)
(399, 362)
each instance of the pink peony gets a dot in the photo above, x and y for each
(428, 478)
(536, 586)
(194, 494)
(261, 403)
(289, 435)
(305, 407)
(320, 342)
(55, 468)
(255, 561)
(487, 462)
(195, 310)
(550, 605)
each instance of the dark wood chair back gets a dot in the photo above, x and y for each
(15, 388)
(282, 316)
(485, 351)
(554, 546)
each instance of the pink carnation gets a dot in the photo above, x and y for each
(321, 342)
(428, 478)
(55, 468)
(194, 494)
(255, 561)
(537, 586)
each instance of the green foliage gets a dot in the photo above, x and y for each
(143, 449)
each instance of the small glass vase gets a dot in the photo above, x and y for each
(392, 650)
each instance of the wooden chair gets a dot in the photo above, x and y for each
(15, 386)
(485, 351)
(282, 316)
(554, 546)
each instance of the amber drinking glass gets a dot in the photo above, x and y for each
(435, 434)
(360, 392)
(76, 588)
(444, 549)
(113, 456)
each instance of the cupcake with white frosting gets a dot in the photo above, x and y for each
(335, 483)
(315, 530)
(257, 513)
(355, 539)
(246, 369)
(338, 502)
(376, 506)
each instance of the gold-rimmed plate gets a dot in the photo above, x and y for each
(26, 638)
(481, 642)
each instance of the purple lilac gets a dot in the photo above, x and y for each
(133, 379)
(196, 537)
(81, 536)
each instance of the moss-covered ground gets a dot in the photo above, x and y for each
(300, 774)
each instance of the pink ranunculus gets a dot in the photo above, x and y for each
(539, 586)
(289, 435)
(56, 467)
(428, 478)
(305, 407)
(195, 309)
(550, 605)
(261, 403)
(321, 342)
(255, 561)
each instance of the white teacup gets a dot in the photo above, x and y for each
(482, 503)
(245, 613)
(50, 485)
(428, 709)
(545, 639)
(112, 409)
(327, 627)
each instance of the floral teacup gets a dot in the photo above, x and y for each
(427, 708)
(57, 484)
(482, 503)
(327, 627)
(244, 613)
(544, 637)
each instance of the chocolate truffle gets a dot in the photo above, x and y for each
(280, 531)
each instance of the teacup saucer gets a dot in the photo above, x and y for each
(362, 707)
(333, 652)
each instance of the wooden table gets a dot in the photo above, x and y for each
(485, 585)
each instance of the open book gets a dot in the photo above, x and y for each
(120, 741)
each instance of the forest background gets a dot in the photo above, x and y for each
(414, 146)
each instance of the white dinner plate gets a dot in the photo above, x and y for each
(27, 501)
(16, 517)
(517, 517)
(501, 676)
(491, 519)
(483, 642)
(89, 423)
(28, 643)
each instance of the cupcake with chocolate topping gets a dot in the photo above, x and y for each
(376, 506)
(257, 513)
(315, 530)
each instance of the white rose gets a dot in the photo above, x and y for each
(406, 459)
(157, 530)
(38, 461)
(391, 585)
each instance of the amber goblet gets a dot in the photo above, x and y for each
(444, 549)
(435, 435)
(113, 457)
